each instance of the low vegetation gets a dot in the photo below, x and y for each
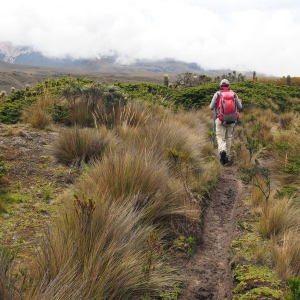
(267, 148)
(145, 165)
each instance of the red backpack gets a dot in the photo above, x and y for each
(227, 107)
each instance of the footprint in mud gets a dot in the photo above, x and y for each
(205, 296)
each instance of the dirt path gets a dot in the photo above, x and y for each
(207, 274)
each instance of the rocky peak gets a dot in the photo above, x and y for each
(11, 52)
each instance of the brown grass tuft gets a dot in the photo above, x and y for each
(287, 120)
(80, 115)
(100, 250)
(75, 145)
(285, 253)
(278, 217)
(37, 114)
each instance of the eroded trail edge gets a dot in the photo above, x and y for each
(207, 275)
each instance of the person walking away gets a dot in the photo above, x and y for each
(227, 104)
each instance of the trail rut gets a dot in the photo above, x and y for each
(207, 275)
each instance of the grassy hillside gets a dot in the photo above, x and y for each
(277, 98)
(126, 175)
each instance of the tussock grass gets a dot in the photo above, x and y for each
(278, 217)
(241, 154)
(39, 118)
(149, 169)
(178, 139)
(127, 173)
(285, 253)
(287, 119)
(133, 114)
(206, 115)
(37, 114)
(257, 198)
(100, 250)
(207, 178)
(173, 132)
(80, 115)
(285, 153)
(144, 179)
(76, 145)
(8, 288)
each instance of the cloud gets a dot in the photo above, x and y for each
(240, 35)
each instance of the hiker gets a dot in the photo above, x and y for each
(226, 117)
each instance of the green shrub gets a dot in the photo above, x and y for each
(293, 166)
(59, 113)
(294, 285)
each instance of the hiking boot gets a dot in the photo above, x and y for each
(223, 157)
(226, 160)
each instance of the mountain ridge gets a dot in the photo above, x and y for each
(28, 56)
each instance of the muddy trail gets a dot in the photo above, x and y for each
(207, 274)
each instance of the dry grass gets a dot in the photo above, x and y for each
(74, 146)
(127, 173)
(80, 115)
(37, 114)
(286, 147)
(100, 250)
(145, 172)
(133, 114)
(257, 198)
(143, 178)
(241, 154)
(142, 185)
(278, 217)
(285, 253)
(287, 120)
(261, 252)
(8, 289)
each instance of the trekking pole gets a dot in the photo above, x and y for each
(213, 128)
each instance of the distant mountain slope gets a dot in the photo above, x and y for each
(27, 56)
(17, 75)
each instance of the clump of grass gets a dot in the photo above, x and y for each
(109, 109)
(126, 173)
(80, 115)
(179, 145)
(100, 250)
(241, 154)
(8, 287)
(257, 198)
(37, 114)
(141, 177)
(278, 217)
(75, 145)
(284, 254)
(47, 192)
(287, 119)
(134, 114)
(38, 117)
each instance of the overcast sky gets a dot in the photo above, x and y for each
(241, 35)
